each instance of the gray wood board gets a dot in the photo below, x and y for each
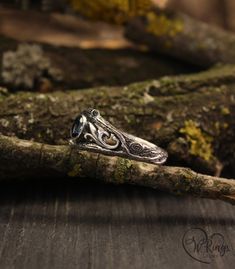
(65, 224)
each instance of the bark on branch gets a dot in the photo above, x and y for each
(183, 37)
(192, 117)
(27, 158)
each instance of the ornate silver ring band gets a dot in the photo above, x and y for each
(90, 131)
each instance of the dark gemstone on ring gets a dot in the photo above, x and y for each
(78, 127)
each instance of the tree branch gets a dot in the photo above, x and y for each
(183, 37)
(28, 158)
(192, 117)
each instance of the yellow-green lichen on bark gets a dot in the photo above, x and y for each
(115, 11)
(122, 168)
(160, 25)
(220, 126)
(200, 142)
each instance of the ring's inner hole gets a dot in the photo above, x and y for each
(109, 140)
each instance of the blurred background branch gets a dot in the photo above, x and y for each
(216, 12)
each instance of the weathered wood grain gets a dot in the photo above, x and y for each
(69, 225)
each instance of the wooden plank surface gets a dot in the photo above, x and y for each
(66, 224)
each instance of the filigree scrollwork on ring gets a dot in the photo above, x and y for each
(92, 132)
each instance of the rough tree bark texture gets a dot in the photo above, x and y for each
(28, 158)
(182, 37)
(192, 116)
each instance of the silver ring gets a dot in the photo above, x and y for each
(92, 132)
